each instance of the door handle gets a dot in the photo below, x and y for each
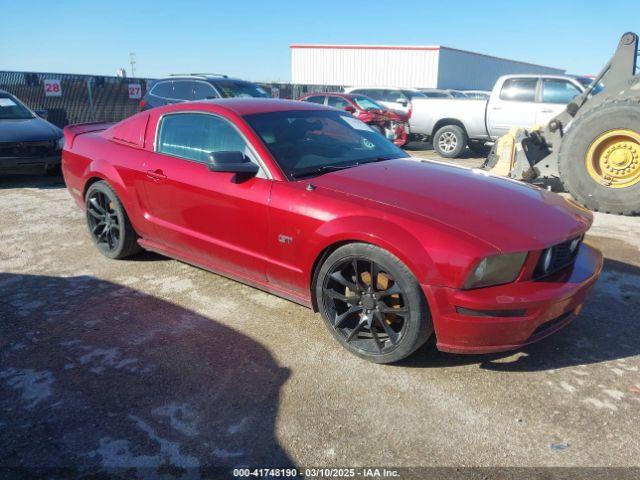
(496, 108)
(156, 175)
(546, 111)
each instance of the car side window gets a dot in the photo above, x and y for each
(161, 89)
(337, 102)
(393, 96)
(202, 90)
(182, 90)
(558, 91)
(316, 99)
(519, 90)
(193, 136)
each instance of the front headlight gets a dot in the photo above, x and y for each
(495, 270)
(60, 143)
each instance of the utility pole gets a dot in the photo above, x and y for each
(132, 61)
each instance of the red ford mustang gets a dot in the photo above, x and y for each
(309, 203)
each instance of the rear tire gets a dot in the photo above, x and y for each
(574, 158)
(108, 223)
(382, 316)
(449, 141)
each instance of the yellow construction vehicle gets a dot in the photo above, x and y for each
(592, 147)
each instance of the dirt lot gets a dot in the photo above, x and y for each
(156, 365)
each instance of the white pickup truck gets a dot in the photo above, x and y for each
(515, 101)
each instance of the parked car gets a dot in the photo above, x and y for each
(515, 101)
(309, 203)
(435, 93)
(26, 139)
(457, 93)
(393, 125)
(182, 88)
(396, 99)
(477, 94)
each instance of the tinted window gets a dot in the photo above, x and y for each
(375, 94)
(413, 94)
(436, 95)
(558, 91)
(239, 88)
(11, 108)
(337, 102)
(302, 142)
(161, 89)
(202, 90)
(393, 96)
(317, 99)
(519, 90)
(194, 135)
(182, 90)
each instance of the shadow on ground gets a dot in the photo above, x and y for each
(102, 378)
(607, 329)
(31, 179)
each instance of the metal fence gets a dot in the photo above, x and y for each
(70, 98)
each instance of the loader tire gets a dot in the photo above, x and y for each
(583, 158)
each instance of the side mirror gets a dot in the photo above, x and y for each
(350, 109)
(43, 113)
(402, 102)
(233, 162)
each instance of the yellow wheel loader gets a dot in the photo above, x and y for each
(592, 147)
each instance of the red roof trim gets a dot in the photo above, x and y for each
(368, 47)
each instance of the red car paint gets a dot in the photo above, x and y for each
(382, 117)
(440, 220)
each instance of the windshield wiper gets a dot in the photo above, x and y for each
(323, 169)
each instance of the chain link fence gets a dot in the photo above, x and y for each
(70, 98)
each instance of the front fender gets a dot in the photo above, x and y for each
(383, 233)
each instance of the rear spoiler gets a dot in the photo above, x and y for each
(72, 131)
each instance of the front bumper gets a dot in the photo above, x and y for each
(512, 315)
(17, 163)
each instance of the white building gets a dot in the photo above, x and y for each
(431, 66)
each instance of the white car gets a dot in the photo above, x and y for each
(398, 99)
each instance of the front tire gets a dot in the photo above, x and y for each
(372, 304)
(449, 141)
(108, 223)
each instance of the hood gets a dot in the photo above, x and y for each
(27, 130)
(510, 215)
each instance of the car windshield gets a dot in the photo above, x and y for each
(235, 88)
(366, 103)
(312, 142)
(12, 109)
(413, 94)
(457, 94)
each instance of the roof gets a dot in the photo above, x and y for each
(250, 106)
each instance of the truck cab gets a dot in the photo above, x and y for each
(528, 100)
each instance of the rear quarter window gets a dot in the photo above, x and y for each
(161, 89)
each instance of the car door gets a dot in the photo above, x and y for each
(555, 94)
(216, 219)
(514, 106)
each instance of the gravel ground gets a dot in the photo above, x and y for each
(157, 366)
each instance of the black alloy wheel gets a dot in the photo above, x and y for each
(108, 224)
(368, 306)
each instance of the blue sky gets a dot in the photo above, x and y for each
(251, 39)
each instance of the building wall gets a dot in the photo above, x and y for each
(353, 66)
(473, 71)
